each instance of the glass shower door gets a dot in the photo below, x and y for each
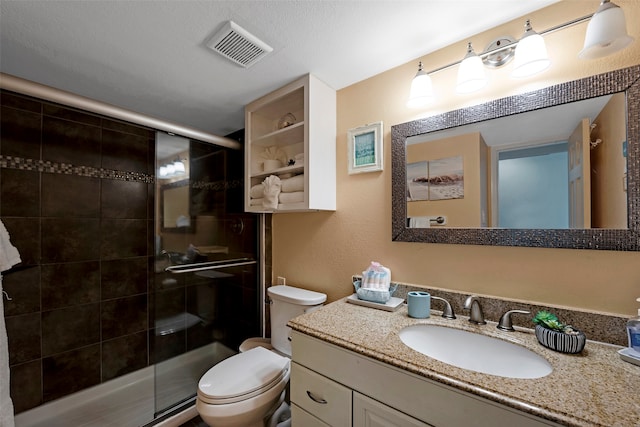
(205, 299)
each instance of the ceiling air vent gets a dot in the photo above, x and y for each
(238, 45)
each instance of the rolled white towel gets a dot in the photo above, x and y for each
(256, 202)
(295, 183)
(272, 186)
(295, 197)
(257, 191)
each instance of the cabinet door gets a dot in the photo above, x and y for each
(320, 396)
(301, 418)
(371, 413)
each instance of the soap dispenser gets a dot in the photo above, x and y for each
(633, 332)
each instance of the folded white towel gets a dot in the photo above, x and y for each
(257, 191)
(295, 197)
(295, 183)
(272, 187)
(299, 157)
(419, 222)
(9, 255)
(256, 202)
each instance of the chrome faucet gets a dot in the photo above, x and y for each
(476, 315)
(505, 323)
(447, 311)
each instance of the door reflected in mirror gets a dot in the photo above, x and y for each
(561, 167)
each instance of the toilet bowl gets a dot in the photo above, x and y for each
(246, 389)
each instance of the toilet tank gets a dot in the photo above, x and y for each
(288, 302)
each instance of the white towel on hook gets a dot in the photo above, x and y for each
(9, 257)
(6, 405)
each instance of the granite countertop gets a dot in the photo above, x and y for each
(593, 388)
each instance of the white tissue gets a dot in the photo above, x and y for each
(272, 187)
(376, 276)
(292, 184)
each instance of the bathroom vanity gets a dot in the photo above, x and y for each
(349, 367)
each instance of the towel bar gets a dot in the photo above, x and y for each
(212, 265)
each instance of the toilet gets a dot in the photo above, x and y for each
(244, 390)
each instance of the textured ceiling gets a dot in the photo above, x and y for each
(150, 56)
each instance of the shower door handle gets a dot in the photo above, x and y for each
(213, 265)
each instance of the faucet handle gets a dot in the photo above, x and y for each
(505, 323)
(447, 311)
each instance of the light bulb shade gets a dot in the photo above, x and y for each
(178, 167)
(531, 56)
(471, 74)
(421, 92)
(170, 169)
(163, 171)
(606, 32)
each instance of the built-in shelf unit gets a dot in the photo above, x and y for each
(291, 133)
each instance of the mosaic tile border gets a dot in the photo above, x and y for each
(607, 83)
(602, 327)
(11, 162)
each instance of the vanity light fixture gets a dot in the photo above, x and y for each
(178, 167)
(172, 169)
(606, 34)
(421, 89)
(471, 74)
(531, 54)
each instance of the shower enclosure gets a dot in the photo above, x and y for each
(132, 283)
(205, 295)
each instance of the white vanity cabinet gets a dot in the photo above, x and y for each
(371, 413)
(291, 132)
(383, 395)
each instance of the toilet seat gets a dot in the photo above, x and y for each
(242, 376)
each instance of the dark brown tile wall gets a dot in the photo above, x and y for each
(77, 197)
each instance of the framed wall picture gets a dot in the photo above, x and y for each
(365, 148)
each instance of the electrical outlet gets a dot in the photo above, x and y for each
(282, 280)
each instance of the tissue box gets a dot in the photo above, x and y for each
(374, 295)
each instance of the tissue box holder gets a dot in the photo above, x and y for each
(379, 296)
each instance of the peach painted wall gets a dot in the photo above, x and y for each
(321, 250)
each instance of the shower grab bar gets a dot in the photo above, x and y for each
(212, 265)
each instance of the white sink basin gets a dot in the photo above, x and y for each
(475, 352)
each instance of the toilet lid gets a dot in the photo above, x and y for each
(242, 376)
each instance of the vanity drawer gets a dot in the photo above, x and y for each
(320, 396)
(301, 418)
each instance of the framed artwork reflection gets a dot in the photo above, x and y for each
(365, 148)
